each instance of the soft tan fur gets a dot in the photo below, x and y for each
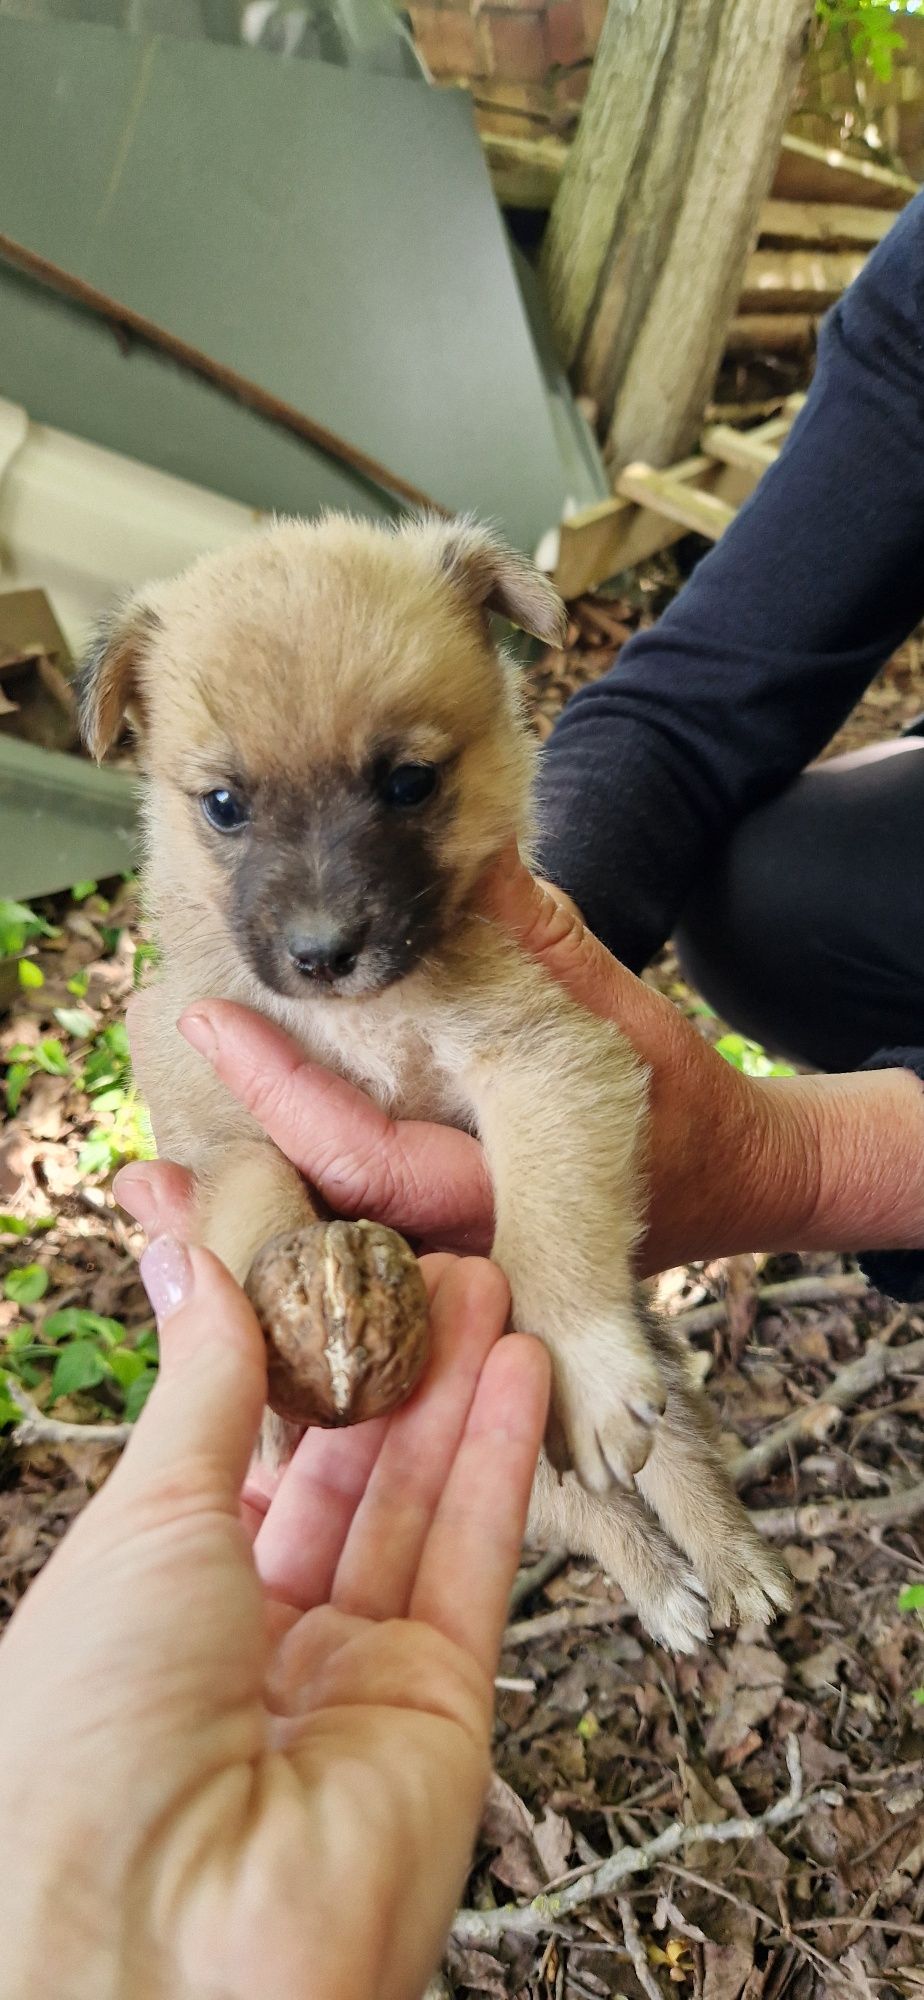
(311, 644)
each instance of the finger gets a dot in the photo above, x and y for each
(470, 1558)
(301, 1537)
(158, 1195)
(375, 1575)
(201, 1420)
(423, 1179)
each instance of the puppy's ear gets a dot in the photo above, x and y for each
(108, 692)
(496, 578)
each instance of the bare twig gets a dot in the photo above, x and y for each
(636, 1949)
(874, 1365)
(807, 1291)
(532, 1579)
(819, 1519)
(36, 1428)
(567, 1618)
(528, 1919)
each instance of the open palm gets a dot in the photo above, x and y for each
(268, 1724)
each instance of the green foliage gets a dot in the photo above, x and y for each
(146, 953)
(871, 29)
(77, 1352)
(81, 890)
(24, 1061)
(912, 1599)
(30, 974)
(123, 1131)
(20, 926)
(27, 1284)
(19, 1225)
(750, 1057)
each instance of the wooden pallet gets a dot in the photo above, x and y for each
(651, 509)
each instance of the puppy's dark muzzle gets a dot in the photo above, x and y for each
(325, 954)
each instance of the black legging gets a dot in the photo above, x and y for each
(808, 933)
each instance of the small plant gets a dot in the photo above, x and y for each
(20, 927)
(870, 27)
(124, 1131)
(912, 1599)
(749, 1057)
(25, 1060)
(75, 1353)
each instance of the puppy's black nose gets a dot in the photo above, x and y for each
(325, 951)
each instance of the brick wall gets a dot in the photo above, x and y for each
(527, 65)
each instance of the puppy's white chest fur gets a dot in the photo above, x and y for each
(402, 1056)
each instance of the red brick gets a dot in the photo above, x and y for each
(515, 45)
(448, 41)
(567, 32)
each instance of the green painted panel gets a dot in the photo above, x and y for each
(61, 821)
(329, 235)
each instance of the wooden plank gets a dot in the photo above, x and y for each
(525, 172)
(806, 172)
(772, 333)
(823, 222)
(699, 513)
(786, 280)
(744, 448)
(600, 542)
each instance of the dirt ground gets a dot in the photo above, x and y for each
(604, 1744)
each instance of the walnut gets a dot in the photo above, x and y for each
(343, 1308)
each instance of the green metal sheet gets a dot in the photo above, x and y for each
(61, 821)
(328, 235)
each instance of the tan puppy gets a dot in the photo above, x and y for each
(334, 751)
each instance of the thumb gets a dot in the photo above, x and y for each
(204, 1411)
(425, 1180)
(547, 925)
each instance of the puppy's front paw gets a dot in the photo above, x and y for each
(608, 1399)
(747, 1583)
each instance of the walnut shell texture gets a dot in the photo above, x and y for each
(344, 1312)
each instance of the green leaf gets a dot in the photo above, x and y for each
(9, 1411)
(110, 934)
(137, 1394)
(79, 1366)
(81, 890)
(17, 1077)
(50, 1056)
(30, 974)
(74, 1021)
(146, 1343)
(96, 1155)
(912, 1597)
(78, 1323)
(27, 1284)
(14, 1225)
(78, 985)
(126, 1365)
(18, 925)
(918, 1697)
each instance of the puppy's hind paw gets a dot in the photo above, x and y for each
(677, 1617)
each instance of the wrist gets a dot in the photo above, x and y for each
(868, 1133)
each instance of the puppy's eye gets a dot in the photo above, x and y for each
(224, 810)
(405, 786)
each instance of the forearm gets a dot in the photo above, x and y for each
(801, 1163)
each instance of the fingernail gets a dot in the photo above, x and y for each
(167, 1275)
(197, 1029)
(132, 1189)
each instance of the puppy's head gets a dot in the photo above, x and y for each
(333, 745)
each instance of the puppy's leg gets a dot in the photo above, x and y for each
(686, 1483)
(559, 1102)
(624, 1539)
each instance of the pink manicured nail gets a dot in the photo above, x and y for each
(167, 1274)
(197, 1029)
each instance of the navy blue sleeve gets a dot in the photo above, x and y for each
(778, 632)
